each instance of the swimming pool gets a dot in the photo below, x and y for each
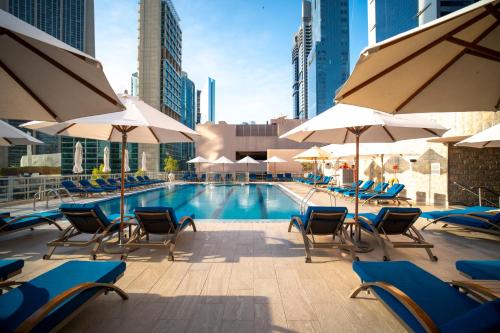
(238, 202)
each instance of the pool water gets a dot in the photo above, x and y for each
(253, 201)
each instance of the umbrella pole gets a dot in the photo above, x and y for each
(356, 201)
(122, 189)
(382, 168)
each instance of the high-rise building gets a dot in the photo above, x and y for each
(302, 43)
(207, 102)
(328, 60)
(134, 84)
(387, 18)
(71, 21)
(429, 10)
(188, 115)
(160, 54)
(198, 110)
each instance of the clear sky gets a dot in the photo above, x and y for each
(243, 44)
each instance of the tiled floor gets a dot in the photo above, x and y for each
(242, 277)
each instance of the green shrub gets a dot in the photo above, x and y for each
(170, 164)
(99, 172)
(140, 172)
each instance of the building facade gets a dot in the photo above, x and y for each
(198, 110)
(302, 43)
(429, 10)
(328, 61)
(207, 102)
(188, 115)
(387, 18)
(159, 70)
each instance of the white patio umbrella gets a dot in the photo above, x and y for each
(222, 160)
(144, 166)
(198, 160)
(11, 136)
(106, 168)
(139, 123)
(274, 160)
(78, 158)
(126, 162)
(345, 123)
(447, 65)
(247, 160)
(313, 154)
(43, 78)
(488, 138)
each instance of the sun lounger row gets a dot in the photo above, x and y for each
(424, 303)
(107, 185)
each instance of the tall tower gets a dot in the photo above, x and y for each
(207, 102)
(198, 109)
(302, 42)
(160, 54)
(328, 60)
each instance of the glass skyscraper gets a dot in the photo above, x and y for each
(188, 114)
(387, 18)
(328, 61)
(207, 102)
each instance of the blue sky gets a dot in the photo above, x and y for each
(243, 44)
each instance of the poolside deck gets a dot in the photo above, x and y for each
(243, 277)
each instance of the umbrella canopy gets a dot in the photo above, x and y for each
(485, 139)
(78, 158)
(344, 123)
(247, 160)
(374, 149)
(106, 168)
(144, 162)
(11, 136)
(447, 65)
(313, 154)
(223, 160)
(275, 159)
(43, 78)
(198, 159)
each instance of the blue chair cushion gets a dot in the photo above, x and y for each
(441, 213)
(480, 269)
(482, 319)
(430, 293)
(376, 219)
(160, 209)
(467, 221)
(106, 220)
(8, 266)
(21, 302)
(28, 221)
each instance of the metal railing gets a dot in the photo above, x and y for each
(480, 193)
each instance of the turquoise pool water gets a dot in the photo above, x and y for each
(253, 201)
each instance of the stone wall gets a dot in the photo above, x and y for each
(473, 167)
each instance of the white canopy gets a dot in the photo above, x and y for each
(275, 159)
(106, 168)
(222, 160)
(485, 139)
(198, 159)
(315, 153)
(11, 136)
(78, 158)
(447, 65)
(143, 123)
(406, 147)
(43, 78)
(247, 160)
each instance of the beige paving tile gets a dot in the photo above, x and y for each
(266, 291)
(303, 326)
(237, 326)
(270, 317)
(207, 318)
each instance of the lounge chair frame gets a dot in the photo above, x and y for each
(397, 199)
(494, 231)
(411, 232)
(40, 314)
(310, 242)
(44, 220)
(140, 237)
(97, 238)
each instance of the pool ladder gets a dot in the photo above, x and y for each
(56, 192)
(305, 200)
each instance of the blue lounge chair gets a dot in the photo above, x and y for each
(288, 176)
(87, 185)
(269, 177)
(203, 177)
(480, 269)
(9, 268)
(85, 219)
(315, 179)
(365, 186)
(482, 219)
(49, 301)
(341, 189)
(144, 181)
(117, 183)
(391, 195)
(424, 303)
(252, 177)
(309, 176)
(217, 177)
(228, 177)
(72, 188)
(133, 180)
(10, 224)
(395, 221)
(380, 188)
(153, 180)
(322, 220)
(280, 177)
(158, 221)
(105, 185)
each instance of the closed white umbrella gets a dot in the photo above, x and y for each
(78, 158)
(140, 123)
(106, 168)
(198, 160)
(143, 162)
(488, 138)
(247, 160)
(11, 136)
(223, 160)
(274, 160)
(126, 162)
(450, 64)
(345, 123)
(43, 78)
